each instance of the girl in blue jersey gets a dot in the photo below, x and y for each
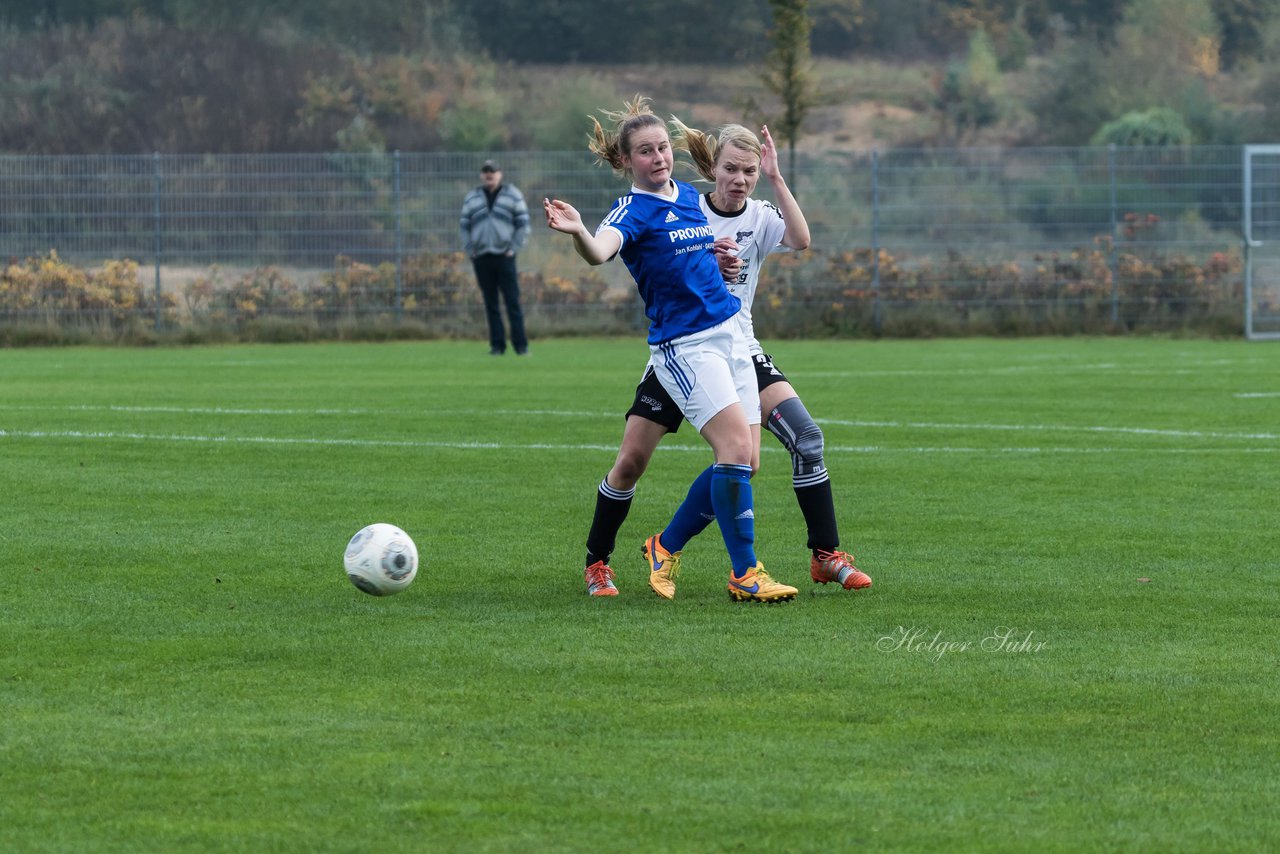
(697, 349)
(747, 230)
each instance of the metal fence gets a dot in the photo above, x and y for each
(964, 239)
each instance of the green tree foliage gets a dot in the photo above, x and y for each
(571, 31)
(559, 31)
(1167, 51)
(1095, 19)
(139, 85)
(933, 28)
(1243, 23)
(788, 73)
(288, 75)
(1163, 43)
(1073, 95)
(476, 123)
(1262, 124)
(1164, 54)
(1159, 127)
(556, 111)
(383, 24)
(969, 94)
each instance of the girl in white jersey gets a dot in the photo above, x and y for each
(698, 353)
(747, 231)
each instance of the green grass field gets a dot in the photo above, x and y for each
(1070, 644)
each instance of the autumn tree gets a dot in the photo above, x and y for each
(788, 69)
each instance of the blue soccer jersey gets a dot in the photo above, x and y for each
(667, 246)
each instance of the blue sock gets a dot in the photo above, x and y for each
(731, 498)
(692, 516)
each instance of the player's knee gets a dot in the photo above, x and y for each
(628, 469)
(738, 453)
(799, 433)
(809, 446)
(731, 445)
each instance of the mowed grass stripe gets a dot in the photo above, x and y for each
(505, 446)
(366, 414)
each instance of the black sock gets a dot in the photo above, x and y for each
(612, 506)
(819, 511)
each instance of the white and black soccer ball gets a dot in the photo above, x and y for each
(381, 559)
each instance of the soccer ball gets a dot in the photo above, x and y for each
(381, 559)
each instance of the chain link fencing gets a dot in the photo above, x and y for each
(905, 242)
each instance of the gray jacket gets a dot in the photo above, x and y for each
(495, 230)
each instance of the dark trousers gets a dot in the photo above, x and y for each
(496, 274)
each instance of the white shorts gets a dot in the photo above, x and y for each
(708, 371)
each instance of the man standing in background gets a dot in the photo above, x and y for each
(495, 225)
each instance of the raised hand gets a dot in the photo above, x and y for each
(562, 216)
(768, 154)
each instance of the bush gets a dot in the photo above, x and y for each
(1158, 127)
(853, 293)
(50, 292)
(1051, 294)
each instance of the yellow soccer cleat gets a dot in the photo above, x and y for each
(663, 567)
(757, 586)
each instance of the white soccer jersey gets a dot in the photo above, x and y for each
(757, 229)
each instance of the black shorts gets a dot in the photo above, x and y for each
(766, 373)
(653, 402)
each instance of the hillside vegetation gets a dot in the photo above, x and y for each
(178, 76)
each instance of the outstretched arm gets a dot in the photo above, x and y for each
(563, 217)
(797, 234)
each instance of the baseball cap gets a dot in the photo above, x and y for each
(490, 166)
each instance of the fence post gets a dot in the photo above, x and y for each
(399, 235)
(875, 240)
(158, 226)
(1115, 236)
